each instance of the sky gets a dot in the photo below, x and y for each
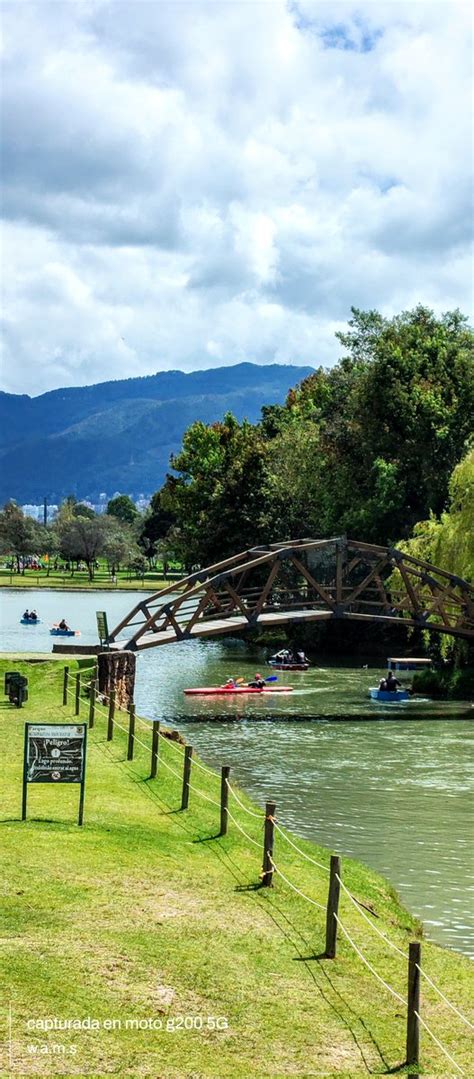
(191, 185)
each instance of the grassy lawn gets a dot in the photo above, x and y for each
(152, 580)
(145, 916)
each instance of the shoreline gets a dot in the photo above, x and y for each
(78, 588)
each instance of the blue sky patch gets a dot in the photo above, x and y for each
(355, 38)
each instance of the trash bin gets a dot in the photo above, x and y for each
(16, 688)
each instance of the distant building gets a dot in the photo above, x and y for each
(37, 512)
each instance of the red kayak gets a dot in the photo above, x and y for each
(222, 690)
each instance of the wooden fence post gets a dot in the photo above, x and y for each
(155, 748)
(268, 830)
(332, 907)
(131, 732)
(413, 1025)
(65, 684)
(92, 693)
(110, 721)
(225, 772)
(188, 752)
(77, 704)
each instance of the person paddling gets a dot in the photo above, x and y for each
(391, 683)
(63, 624)
(257, 683)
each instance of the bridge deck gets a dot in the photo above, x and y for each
(215, 627)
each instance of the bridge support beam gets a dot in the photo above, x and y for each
(117, 674)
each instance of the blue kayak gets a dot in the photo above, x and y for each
(389, 696)
(64, 632)
(30, 621)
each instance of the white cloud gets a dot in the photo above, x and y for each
(194, 184)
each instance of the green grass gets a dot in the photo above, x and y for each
(152, 580)
(144, 912)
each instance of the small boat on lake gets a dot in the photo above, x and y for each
(288, 666)
(404, 664)
(57, 632)
(287, 660)
(30, 621)
(389, 696)
(224, 691)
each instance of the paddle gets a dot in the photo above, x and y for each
(271, 678)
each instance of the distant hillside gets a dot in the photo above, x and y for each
(118, 436)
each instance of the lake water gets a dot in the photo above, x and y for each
(390, 785)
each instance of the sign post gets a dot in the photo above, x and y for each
(102, 628)
(55, 753)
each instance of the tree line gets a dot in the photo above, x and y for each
(378, 447)
(369, 448)
(77, 536)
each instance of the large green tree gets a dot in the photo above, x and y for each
(366, 448)
(83, 539)
(389, 423)
(19, 534)
(156, 522)
(123, 508)
(218, 501)
(448, 541)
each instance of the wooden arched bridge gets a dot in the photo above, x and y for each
(301, 581)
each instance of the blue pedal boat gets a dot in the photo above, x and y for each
(389, 696)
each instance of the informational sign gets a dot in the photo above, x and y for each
(102, 627)
(55, 753)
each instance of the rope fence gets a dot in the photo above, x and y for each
(366, 961)
(445, 999)
(243, 832)
(298, 849)
(439, 1044)
(372, 926)
(293, 886)
(270, 868)
(251, 812)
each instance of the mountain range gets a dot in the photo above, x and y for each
(118, 436)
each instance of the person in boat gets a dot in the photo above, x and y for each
(230, 684)
(391, 683)
(383, 685)
(26, 615)
(33, 616)
(284, 656)
(300, 656)
(257, 683)
(63, 624)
